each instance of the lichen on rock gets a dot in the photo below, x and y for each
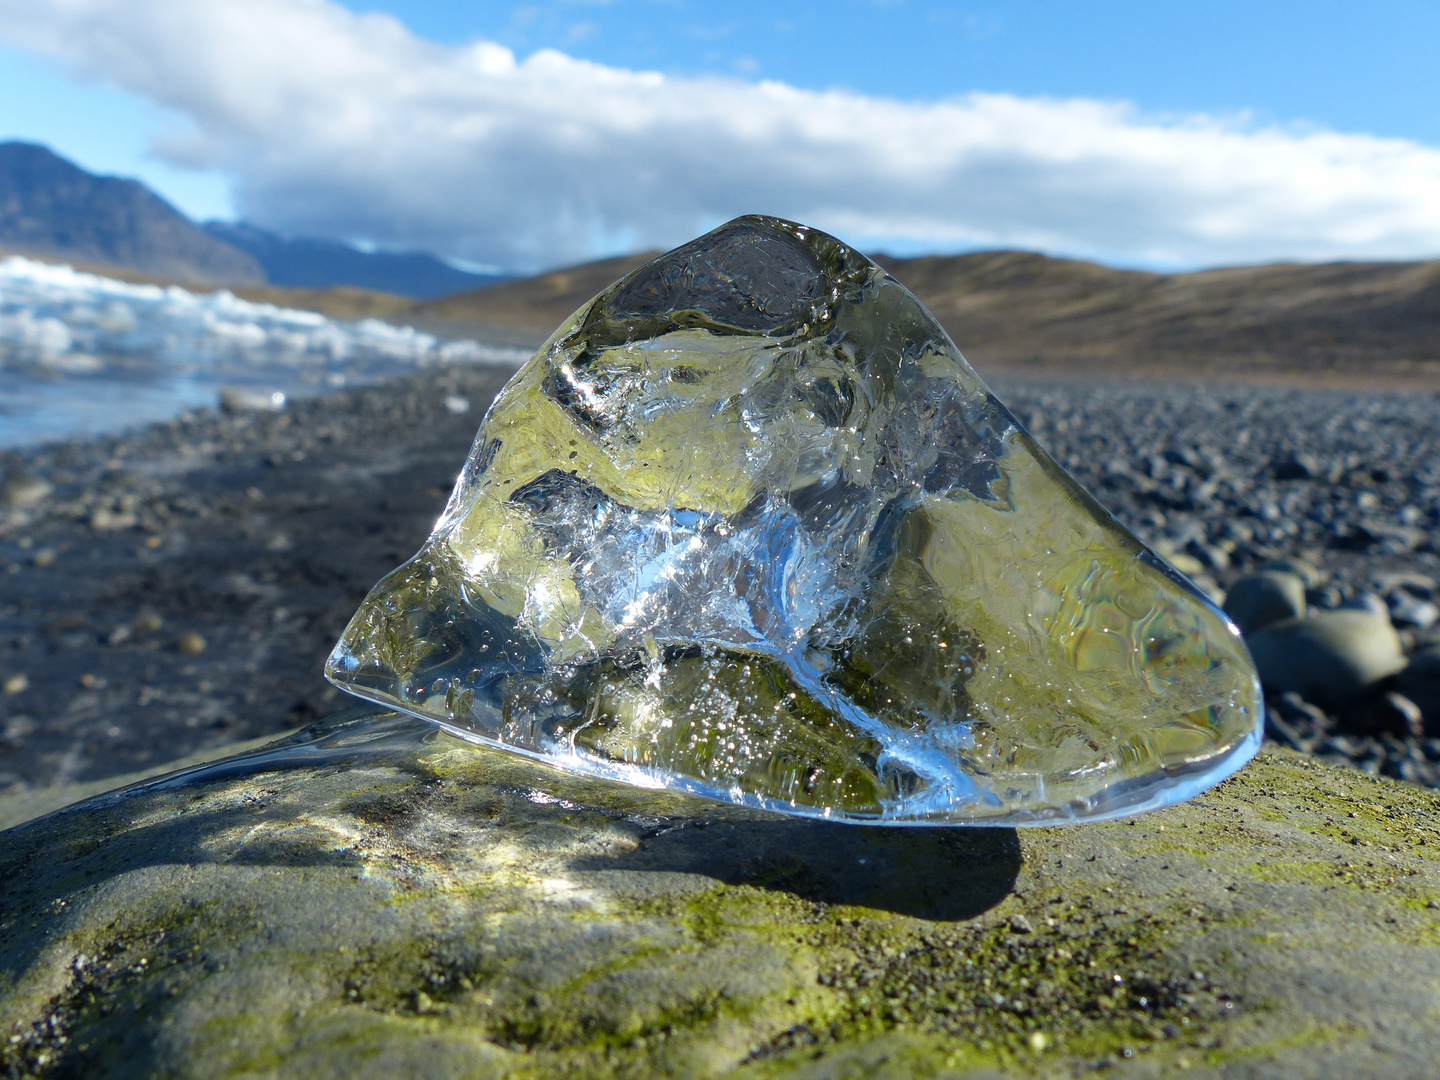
(354, 905)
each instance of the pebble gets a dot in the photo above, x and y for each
(22, 492)
(1420, 682)
(1366, 602)
(1390, 713)
(242, 399)
(16, 684)
(1309, 574)
(1256, 600)
(190, 644)
(105, 519)
(1211, 556)
(1407, 610)
(1294, 466)
(1327, 656)
(147, 622)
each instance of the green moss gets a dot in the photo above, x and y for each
(485, 916)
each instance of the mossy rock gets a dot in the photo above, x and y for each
(415, 906)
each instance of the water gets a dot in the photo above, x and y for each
(82, 354)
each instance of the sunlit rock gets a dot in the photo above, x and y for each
(749, 526)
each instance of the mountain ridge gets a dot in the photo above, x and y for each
(50, 206)
(53, 209)
(308, 262)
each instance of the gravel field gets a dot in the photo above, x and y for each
(179, 587)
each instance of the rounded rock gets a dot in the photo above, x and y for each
(243, 399)
(190, 644)
(1301, 568)
(22, 492)
(1257, 600)
(1368, 603)
(1407, 610)
(1420, 682)
(1326, 656)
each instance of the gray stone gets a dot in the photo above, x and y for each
(1306, 571)
(243, 399)
(1421, 585)
(1268, 596)
(1327, 656)
(1294, 466)
(410, 906)
(1390, 713)
(1211, 556)
(21, 492)
(1420, 682)
(1368, 603)
(1408, 610)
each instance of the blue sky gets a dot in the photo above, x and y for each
(1141, 134)
(1371, 67)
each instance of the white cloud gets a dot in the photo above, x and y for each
(349, 125)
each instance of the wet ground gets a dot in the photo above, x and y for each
(181, 588)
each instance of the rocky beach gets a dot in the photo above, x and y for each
(177, 588)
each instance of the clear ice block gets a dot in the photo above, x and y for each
(748, 525)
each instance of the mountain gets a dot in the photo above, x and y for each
(313, 263)
(50, 207)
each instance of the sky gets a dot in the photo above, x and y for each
(522, 136)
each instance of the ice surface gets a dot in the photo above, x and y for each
(749, 525)
(84, 353)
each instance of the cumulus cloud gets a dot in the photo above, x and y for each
(350, 125)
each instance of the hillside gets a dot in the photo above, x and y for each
(535, 305)
(50, 207)
(1015, 310)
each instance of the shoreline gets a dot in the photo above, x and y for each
(180, 586)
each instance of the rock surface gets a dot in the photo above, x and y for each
(1420, 681)
(385, 902)
(1256, 600)
(1329, 656)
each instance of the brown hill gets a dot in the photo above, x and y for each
(1015, 311)
(535, 305)
(336, 301)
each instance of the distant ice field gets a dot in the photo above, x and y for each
(82, 354)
